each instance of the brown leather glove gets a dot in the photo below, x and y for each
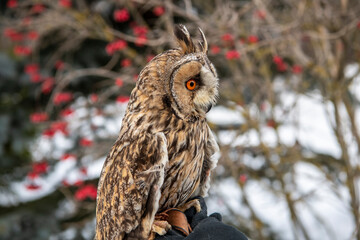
(203, 226)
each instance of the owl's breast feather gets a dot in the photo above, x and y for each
(186, 151)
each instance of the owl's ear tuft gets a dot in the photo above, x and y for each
(183, 37)
(203, 43)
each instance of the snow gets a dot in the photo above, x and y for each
(350, 72)
(325, 203)
(48, 184)
(308, 123)
(223, 116)
(270, 208)
(315, 126)
(94, 169)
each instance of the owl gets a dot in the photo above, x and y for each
(165, 150)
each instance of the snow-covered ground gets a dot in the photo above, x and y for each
(307, 120)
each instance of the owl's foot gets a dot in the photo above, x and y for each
(193, 203)
(160, 227)
(176, 218)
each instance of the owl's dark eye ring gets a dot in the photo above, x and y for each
(191, 84)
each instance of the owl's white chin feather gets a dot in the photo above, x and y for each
(207, 95)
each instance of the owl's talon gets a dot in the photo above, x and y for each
(160, 227)
(193, 203)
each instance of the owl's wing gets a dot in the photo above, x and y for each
(210, 162)
(129, 187)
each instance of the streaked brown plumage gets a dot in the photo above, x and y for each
(165, 150)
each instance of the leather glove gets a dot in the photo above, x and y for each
(204, 227)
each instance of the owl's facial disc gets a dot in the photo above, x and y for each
(206, 96)
(194, 88)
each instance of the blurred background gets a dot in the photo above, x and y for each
(287, 122)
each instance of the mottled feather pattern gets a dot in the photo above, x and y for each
(124, 190)
(165, 149)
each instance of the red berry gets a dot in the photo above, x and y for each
(36, 78)
(87, 191)
(158, 11)
(260, 14)
(94, 97)
(47, 85)
(62, 97)
(60, 126)
(121, 15)
(33, 175)
(215, 49)
(232, 54)
(32, 35)
(297, 69)
(242, 178)
(140, 41)
(253, 39)
(85, 142)
(149, 58)
(22, 50)
(140, 30)
(31, 68)
(38, 117)
(66, 112)
(227, 37)
(59, 65)
(282, 67)
(13, 35)
(67, 156)
(83, 170)
(126, 62)
(78, 183)
(271, 123)
(40, 167)
(12, 4)
(122, 99)
(37, 8)
(65, 3)
(48, 133)
(277, 60)
(65, 183)
(115, 46)
(119, 82)
(32, 187)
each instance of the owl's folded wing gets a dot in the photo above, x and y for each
(210, 162)
(129, 187)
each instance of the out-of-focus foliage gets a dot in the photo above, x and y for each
(67, 68)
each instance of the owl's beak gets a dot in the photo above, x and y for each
(209, 107)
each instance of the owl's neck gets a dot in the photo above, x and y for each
(192, 116)
(152, 120)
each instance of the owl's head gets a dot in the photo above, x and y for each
(191, 82)
(181, 79)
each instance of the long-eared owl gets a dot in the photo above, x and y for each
(165, 149)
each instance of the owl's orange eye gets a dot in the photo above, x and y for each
(191, 84)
